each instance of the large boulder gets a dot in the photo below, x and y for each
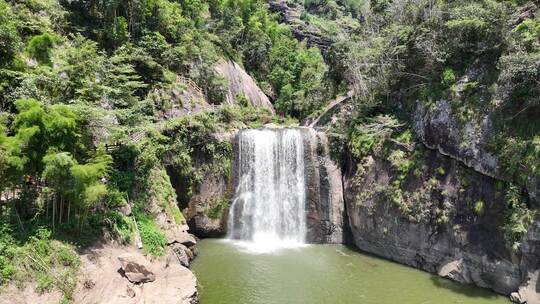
(134, 269)
(182, 254)
(240, 83)
(529, 291)
(101, 282)
(179, 234)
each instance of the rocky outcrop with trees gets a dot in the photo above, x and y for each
(109, 123)
(117, 123)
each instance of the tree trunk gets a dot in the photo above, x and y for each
(53, 212)
(47, 206)
(61, 211)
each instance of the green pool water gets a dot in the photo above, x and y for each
(320, 274)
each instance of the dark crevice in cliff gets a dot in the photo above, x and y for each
(180, 185)
(346, 164)
(347, 231)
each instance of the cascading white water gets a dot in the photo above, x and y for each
(268, 210)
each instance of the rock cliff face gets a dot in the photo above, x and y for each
(325, 205)
(240, 83)
(212, 188)
(205, 210)
(466, 144)
(439, 129)
(290, 13)
(444, 231)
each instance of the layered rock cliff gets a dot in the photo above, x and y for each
(325, 205)
(448, 222)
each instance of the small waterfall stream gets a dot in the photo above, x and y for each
(268, 210)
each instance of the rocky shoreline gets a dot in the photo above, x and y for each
(111, 273)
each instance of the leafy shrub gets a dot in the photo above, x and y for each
(152, 237)
(217, 207)
(230, 114)
(448, 77)
(518, 218)
(50, 263)
(7, 254)
(365, 137)
(40, 46)
(519, 158)
(400, 162)
(527, 32)
(479, 208)
(9, 40)
(120, 227)
(476, 27)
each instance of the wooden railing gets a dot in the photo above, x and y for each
(190, 83)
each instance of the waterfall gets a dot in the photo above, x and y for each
(268, 209)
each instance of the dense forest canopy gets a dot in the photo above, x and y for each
(85, 88)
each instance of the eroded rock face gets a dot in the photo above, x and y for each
(240, 83)
(290, 13)
(467, 247)
(214, 187)
(439, 129)
(325, 205)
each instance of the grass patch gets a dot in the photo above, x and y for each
(218, 207)
(152, 237)
(50, 263)
(162, 190)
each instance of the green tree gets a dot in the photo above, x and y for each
(81, 66)
(9, 39)
(40, 128)
(89, 183)
(39, 47)
(57, 175)
(11, 162)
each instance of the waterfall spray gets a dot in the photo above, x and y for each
(268, 210)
